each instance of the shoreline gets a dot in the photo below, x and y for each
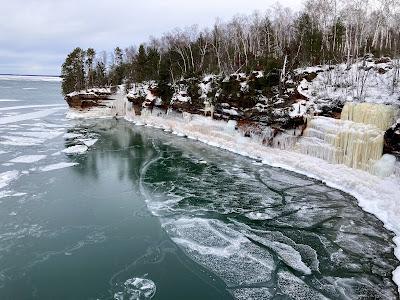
(365, 187)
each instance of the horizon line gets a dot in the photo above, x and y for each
(31, 75)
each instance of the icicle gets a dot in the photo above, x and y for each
(380, 115)
(343, 142)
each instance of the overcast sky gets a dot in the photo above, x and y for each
(36, 35)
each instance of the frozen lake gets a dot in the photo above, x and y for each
(106, 210)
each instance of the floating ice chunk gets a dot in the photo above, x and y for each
(252, 293)
(224, 251)
(295, 288)
(30, 106)
(7, 177)
(19, 141)
(88, 142)
(286, 253)
(137, 289)
(70, 135)
(29, 116)
(3, 152)
(13, 214)
(9, 100)
(78, 149)
(27, 159)
(57, 166)
(7, 164)
(4, 194)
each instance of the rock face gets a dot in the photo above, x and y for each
(88, 98)
(275, 109)
(392, 140)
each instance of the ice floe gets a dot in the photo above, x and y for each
(7, 177)
(29, 116)
(26, 159)
(57, 166)
(137, 289)
(77, 149)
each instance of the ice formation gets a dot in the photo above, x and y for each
(380, 115)
(356, 140)
(342, 142)
(137, 289)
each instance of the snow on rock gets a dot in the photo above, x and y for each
(299, 109)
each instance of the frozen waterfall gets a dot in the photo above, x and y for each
(380, 115)
(355, 141)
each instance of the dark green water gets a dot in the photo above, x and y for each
(194, 221)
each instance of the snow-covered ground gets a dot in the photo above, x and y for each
(361, 82)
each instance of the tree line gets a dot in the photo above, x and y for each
(323, 32)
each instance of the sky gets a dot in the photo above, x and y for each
(36, 35)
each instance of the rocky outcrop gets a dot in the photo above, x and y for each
(88, 98)
(392, 140)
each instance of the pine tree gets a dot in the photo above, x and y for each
(90, 56)
(73, 72)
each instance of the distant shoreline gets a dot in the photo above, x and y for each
(30, 75)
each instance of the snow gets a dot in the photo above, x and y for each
(299, 109)
(78, 149)
(7, 177)
(57, 166)
(26, 159)
(344, 84)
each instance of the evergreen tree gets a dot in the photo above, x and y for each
(73, 72)
(90, 56)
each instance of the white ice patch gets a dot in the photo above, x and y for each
(137, 289)
(71, 136)
(88, 142)
(47, 135)
(30, 106)
(29, 116)
(9, 100)
(19, 141)
(58, 166)
(27, 159)
(224, 251)
(7, 177)
(78, 149)
(5, 194)
(30, 78)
